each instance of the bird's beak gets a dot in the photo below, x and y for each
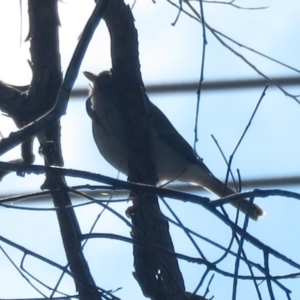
(90, 76)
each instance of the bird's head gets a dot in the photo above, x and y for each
(101, 81)
(102, 93)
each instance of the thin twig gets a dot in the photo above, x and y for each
(201, 79)
(216, 34)
(171, 194)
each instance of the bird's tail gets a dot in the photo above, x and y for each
(203, 177)
(244, 205)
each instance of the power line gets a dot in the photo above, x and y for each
(248, 184)
(216, 85)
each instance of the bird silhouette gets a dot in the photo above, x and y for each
(174, 158)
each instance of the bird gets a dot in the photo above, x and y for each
(173, 157)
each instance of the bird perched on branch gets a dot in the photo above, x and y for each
(174, 158)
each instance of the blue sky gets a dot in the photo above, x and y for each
(168, 54)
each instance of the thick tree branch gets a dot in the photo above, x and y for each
(46, 81)
(158, 275)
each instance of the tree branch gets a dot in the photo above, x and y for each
(158, 275)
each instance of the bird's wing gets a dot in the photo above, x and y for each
(166, 131)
